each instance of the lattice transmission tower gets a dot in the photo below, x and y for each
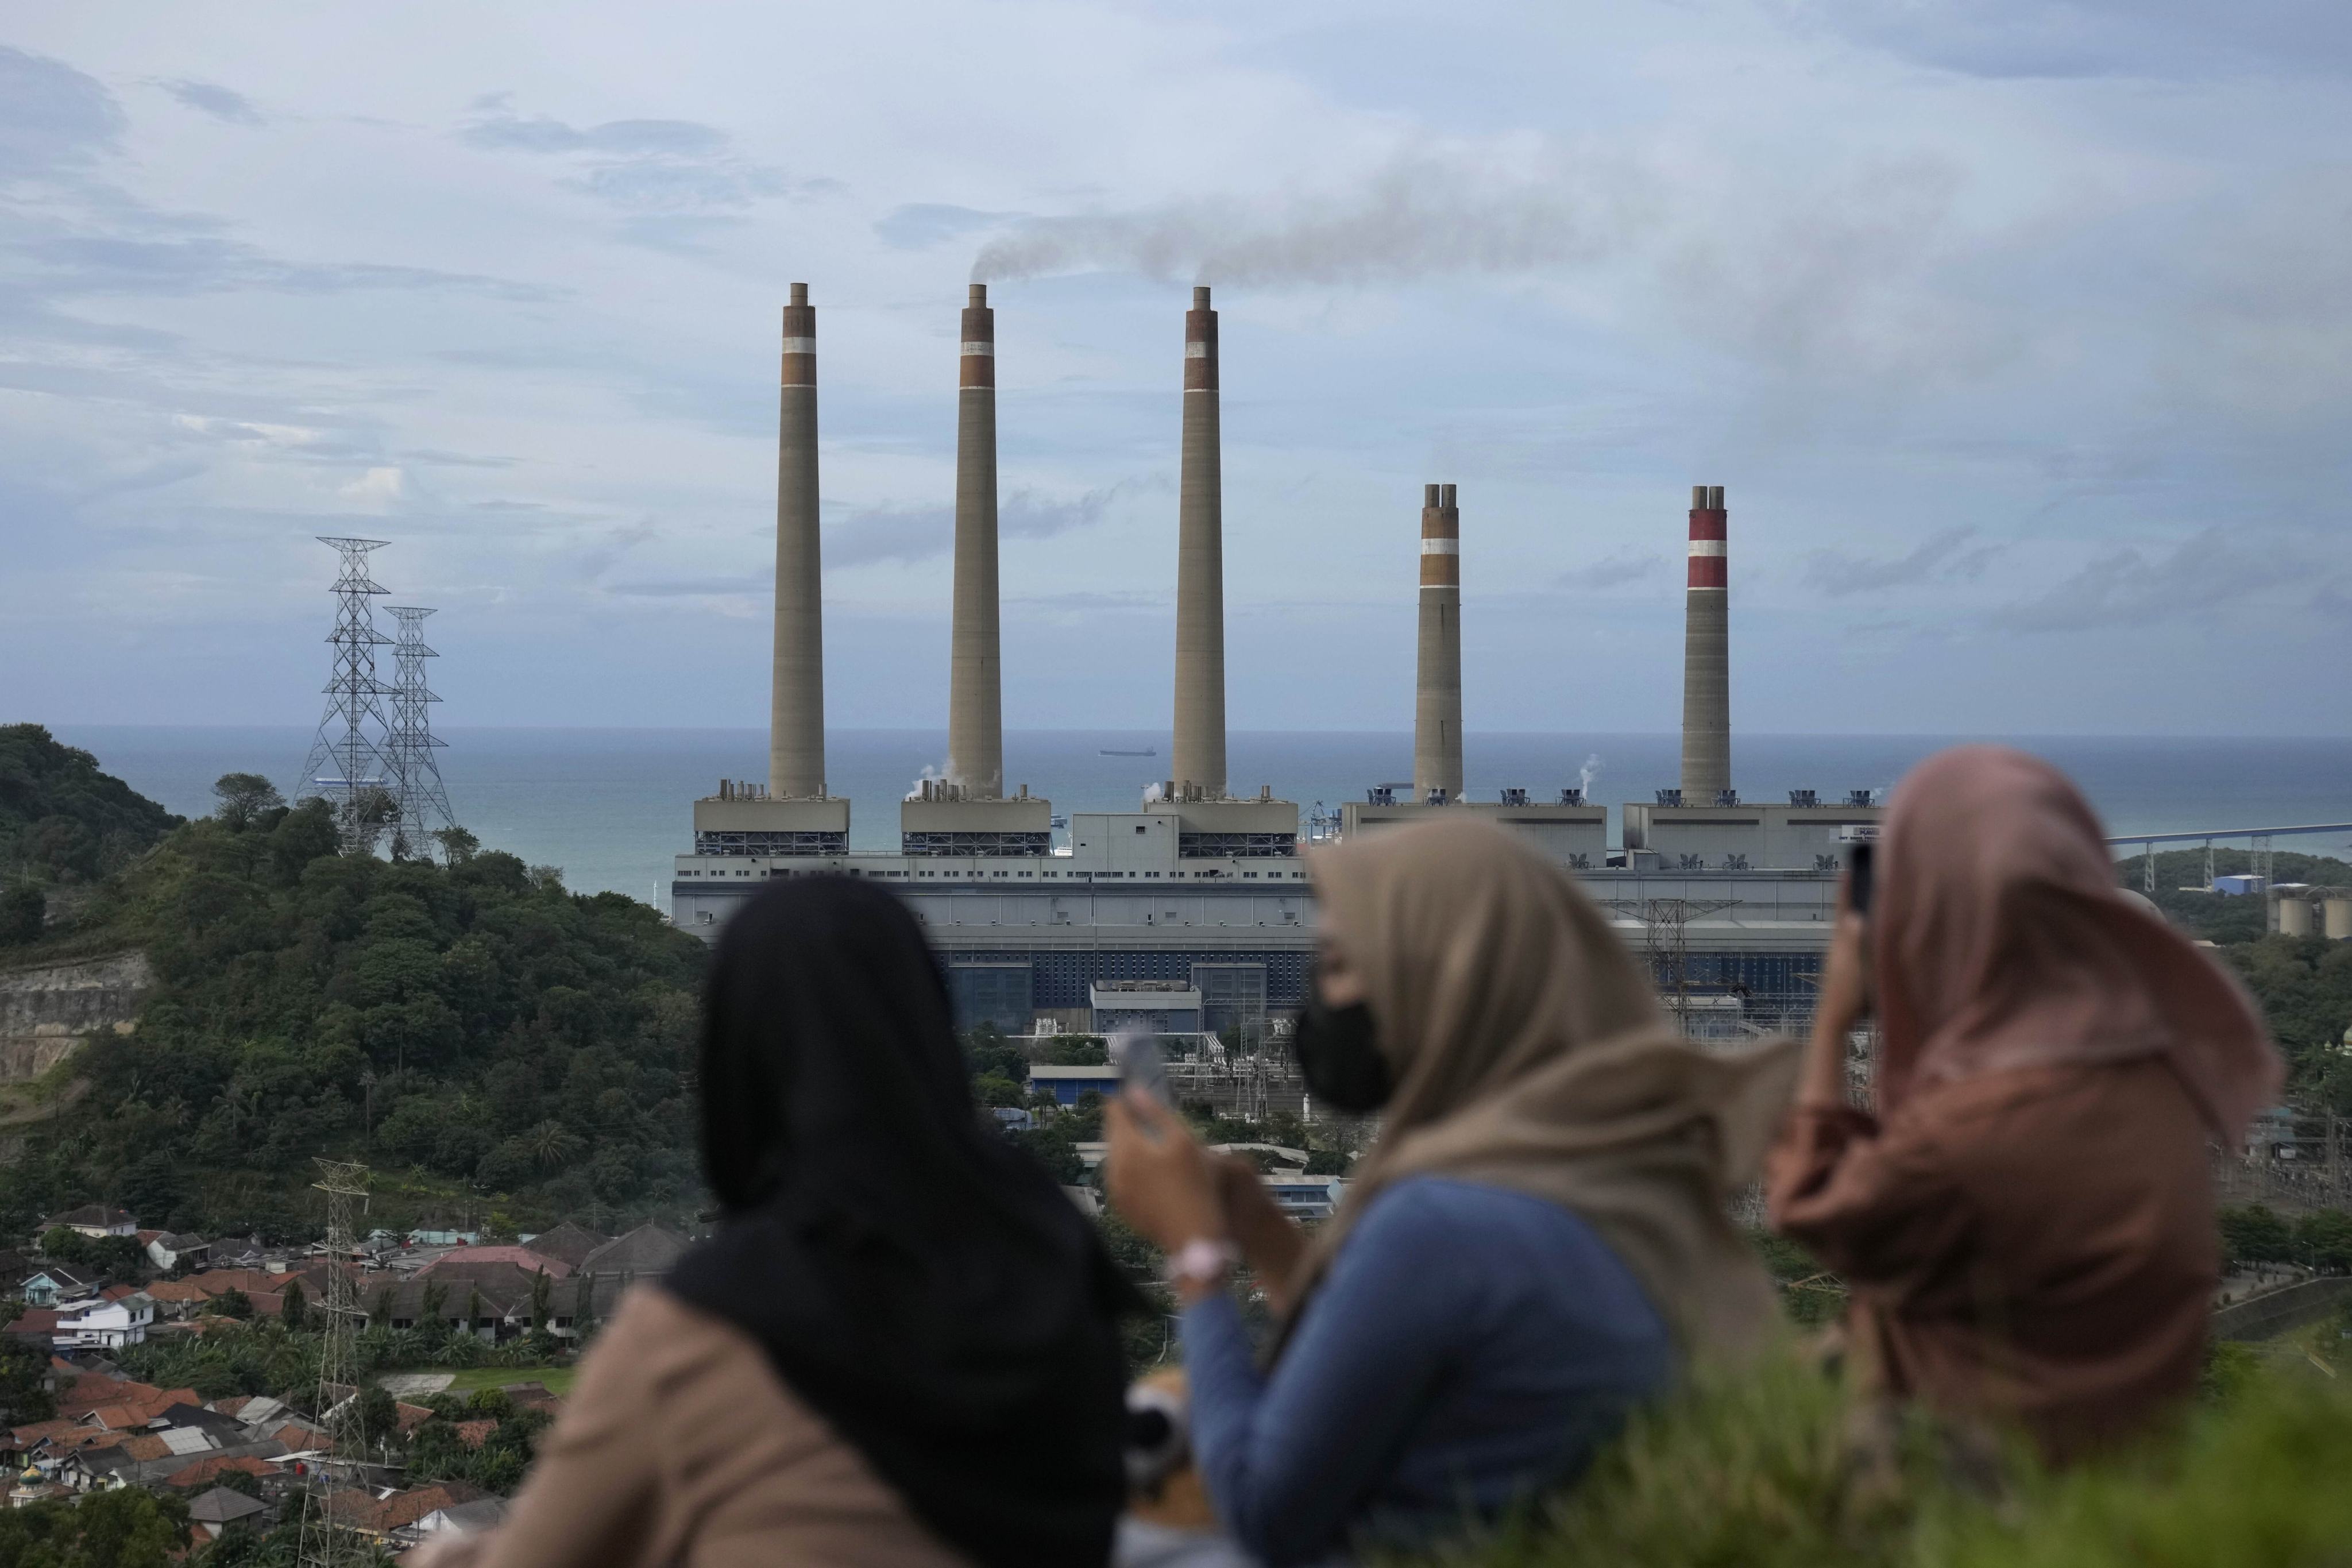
(1665, 944)
(420, 802)
(347, 764)
(327, 1541)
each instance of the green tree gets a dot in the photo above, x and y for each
(543, 1295)
(2324, 1241)
(295, 1313)
(23, 1377)
(23, 908)
(2255, 1234)
(231, 1303)
(375, 1415)
(1052, 1147)
(996, 1089)
(244, 799)
(552, 1144)
(129, 1528)
(65, 1243)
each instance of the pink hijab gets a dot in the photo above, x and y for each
(2000, 940)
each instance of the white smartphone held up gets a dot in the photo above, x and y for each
(1141, 1066)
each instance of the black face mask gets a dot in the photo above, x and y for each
(1339, 1056)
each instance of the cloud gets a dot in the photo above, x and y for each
(502, 128)
(641, 166)
(2161, 39)
(1612, 571)
(1421, 215)
(375, 485)
(604, 555)
(52, 117)
(206, 97)
(2201, 575)
(695, 587)
(88, 262)
(922, 224)
(909, 534)
(1942, 557)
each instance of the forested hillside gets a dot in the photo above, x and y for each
(61, 821)
(2303, 983)
(489, 1041)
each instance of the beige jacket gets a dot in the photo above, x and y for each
(682, 1445)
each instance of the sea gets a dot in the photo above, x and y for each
(613, 807)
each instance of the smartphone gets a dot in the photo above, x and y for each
(1137, 1057)
(1859, 867)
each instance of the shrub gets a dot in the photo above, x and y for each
(1759, 1472)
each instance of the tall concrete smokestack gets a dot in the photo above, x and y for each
(1437, 690)
(975, 676)
(796, 709)
(1707, 654)
(1199, 762)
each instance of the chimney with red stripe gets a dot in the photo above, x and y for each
(1707, 656)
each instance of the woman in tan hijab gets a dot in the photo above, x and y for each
(2027, 1222)
(1537, 1243)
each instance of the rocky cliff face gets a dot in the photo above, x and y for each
(48, 1010)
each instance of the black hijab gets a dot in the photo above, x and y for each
(918, 1280)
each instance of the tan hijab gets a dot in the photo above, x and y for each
(1529, 1052)
(2001, 939)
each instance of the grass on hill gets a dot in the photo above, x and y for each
(1760, 1473)
(556, 1379)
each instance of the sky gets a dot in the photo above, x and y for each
(2014, 330)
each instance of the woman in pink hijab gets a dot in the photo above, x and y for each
(2027, 1222)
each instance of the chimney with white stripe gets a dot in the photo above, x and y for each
(1437, 687)
(796, 699)
(1706, 655)
(1199, 759)
(975, 675)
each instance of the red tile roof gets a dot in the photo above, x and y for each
(411, 1417)
(93, 1389)
(203, 1472)
(25, 1436)
(130, 1413)
(522, 1257)
(474, 1433)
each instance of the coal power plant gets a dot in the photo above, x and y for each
(1191, 910)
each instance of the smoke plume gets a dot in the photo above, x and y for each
(1419, 215)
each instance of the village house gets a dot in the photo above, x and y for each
(95, 1221)
(106, 1324)
(168, 1249)
(214, 1511)
(57, 1282)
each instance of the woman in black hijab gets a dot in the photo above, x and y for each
(937, 1317)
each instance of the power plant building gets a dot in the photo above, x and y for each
(1198, 903)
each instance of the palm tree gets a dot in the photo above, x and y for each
(551, 1143)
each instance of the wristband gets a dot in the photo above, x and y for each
(1201, 1261)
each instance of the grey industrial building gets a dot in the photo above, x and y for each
(1198, 903)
